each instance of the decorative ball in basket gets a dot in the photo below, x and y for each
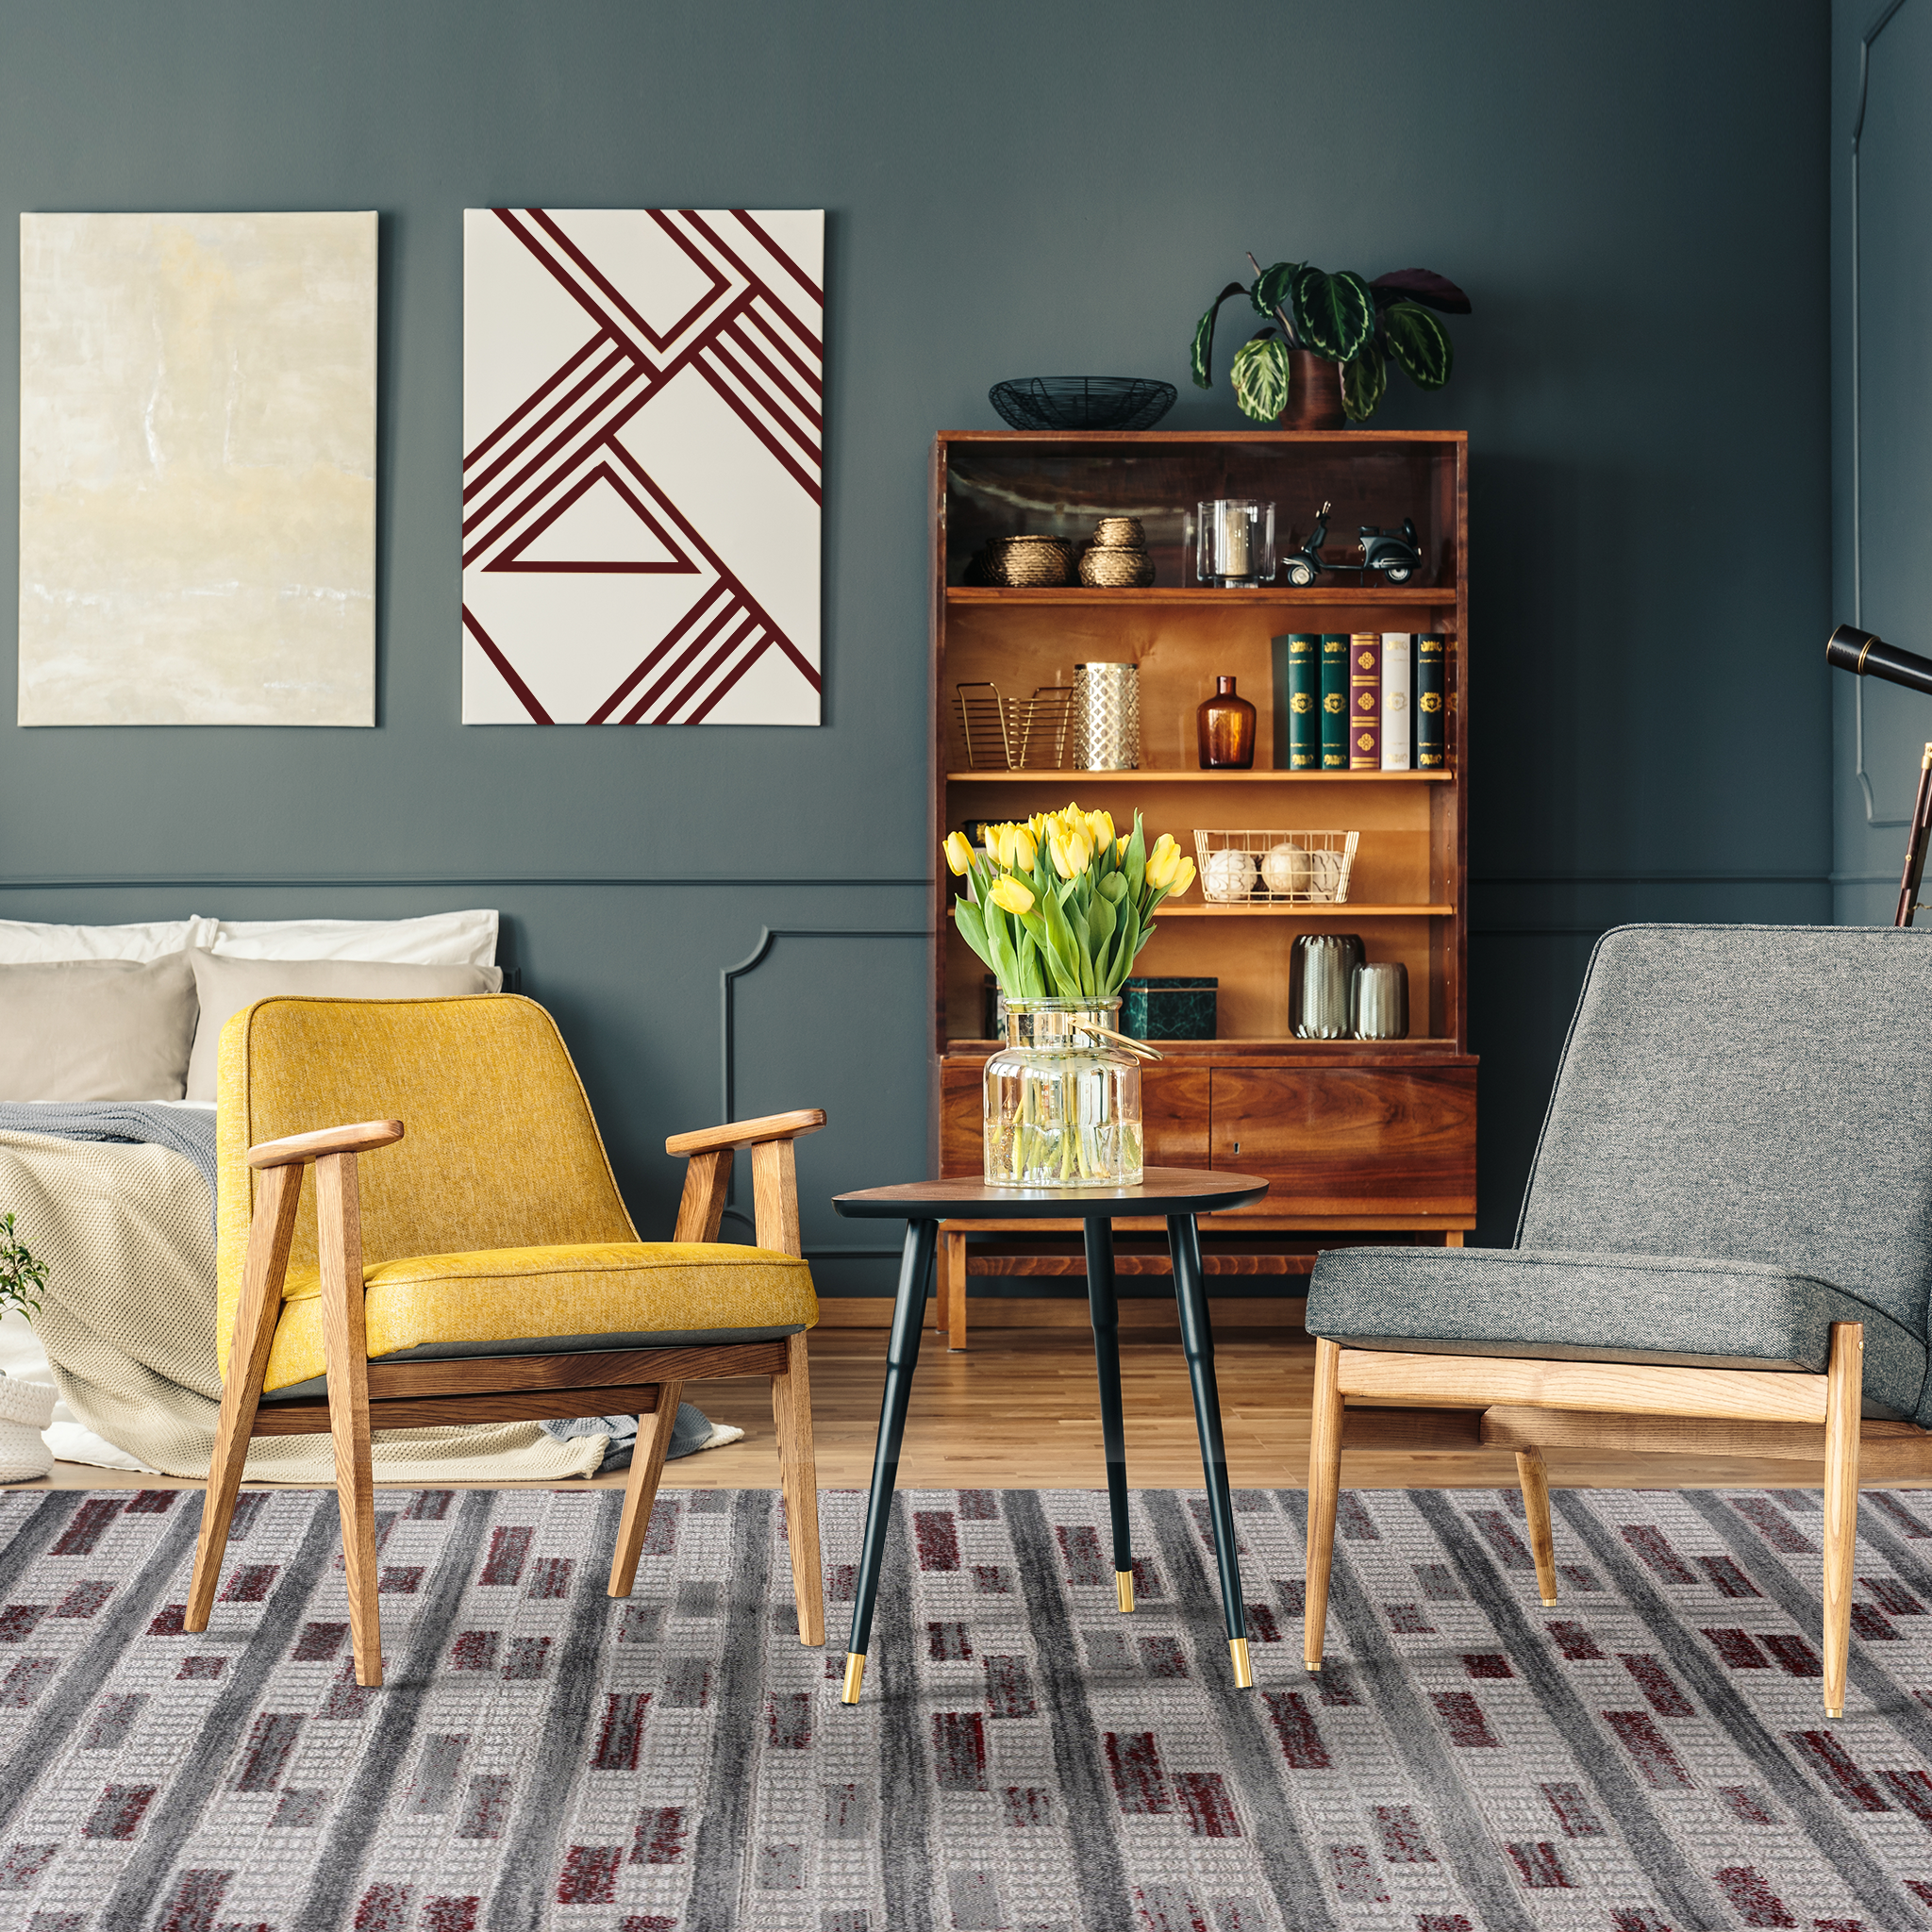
(1275, 868)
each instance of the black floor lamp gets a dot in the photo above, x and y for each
(1865, 656)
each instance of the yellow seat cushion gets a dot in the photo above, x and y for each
(515, 1294)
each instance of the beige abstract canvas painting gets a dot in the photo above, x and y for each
(197, 469)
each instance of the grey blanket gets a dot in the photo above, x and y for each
(190, 1131)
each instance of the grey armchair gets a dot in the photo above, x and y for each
(1729, 1219)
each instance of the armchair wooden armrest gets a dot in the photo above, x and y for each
(772, 1127)
(294, 1149)
(774, 1174)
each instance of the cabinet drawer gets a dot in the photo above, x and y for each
(1173, 1111)
(1349, 1140)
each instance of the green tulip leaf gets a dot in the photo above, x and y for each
(1332, 314)
(1270, 291)
(1364, 380)
(1420, 344)
(971, 925)
(1113, 886)
(1202, 357)
(1261, 373)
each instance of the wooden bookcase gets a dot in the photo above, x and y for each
(1361, 1140)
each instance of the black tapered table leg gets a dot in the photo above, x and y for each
(1103, 1306)
(1197, 1345)
(902, 1358)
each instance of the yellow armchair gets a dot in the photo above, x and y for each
(481, 1267)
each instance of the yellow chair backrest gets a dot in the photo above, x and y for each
(499, 1149)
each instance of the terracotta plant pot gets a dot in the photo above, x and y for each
(1314, 397)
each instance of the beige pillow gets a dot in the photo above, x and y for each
(226, 986)
(96, 1029)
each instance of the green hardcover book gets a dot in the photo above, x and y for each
(1298, 701)
(1335, 701)
(1431, 703)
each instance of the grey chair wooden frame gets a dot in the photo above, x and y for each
(1725, 1249)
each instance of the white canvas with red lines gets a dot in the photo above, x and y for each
(642, 465)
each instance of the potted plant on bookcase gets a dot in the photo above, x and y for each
(1059, 907)
(25, 1407)
(1326, 363)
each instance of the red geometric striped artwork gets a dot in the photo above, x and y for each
(642, 437)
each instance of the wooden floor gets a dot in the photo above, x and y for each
(1018, 1411)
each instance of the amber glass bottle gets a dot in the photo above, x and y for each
(1225, 727)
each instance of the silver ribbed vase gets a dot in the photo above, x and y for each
(1107, 717)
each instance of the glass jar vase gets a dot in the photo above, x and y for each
(1062, 1106)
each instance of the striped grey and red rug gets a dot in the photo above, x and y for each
(1651, 1754)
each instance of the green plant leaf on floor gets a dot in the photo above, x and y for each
(1420, 344)
(1263, 376)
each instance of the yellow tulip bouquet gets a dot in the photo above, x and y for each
(1060, 905)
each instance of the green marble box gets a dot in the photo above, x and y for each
(1169, 1009)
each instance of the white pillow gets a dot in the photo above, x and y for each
(25, 943)
(443, 939)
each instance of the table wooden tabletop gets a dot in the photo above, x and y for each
(1161, 1191)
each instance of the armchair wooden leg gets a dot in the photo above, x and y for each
(1843, 1398)
(270, 1235)
(1325, 1487)
(345, 1355)
(798, 1473)
(1534, 1476)
(641, 1491)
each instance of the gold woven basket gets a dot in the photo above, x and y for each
(1115, 569)
(1026, 562)
(1118, 533)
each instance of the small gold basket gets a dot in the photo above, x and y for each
(1015, 734)
(1275, 868)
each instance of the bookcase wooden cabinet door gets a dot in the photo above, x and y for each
(1360, 1139)
(1341, 1141)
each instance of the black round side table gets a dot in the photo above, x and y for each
(1179, 1193)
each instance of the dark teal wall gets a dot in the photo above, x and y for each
(1635, 195)
(1881, 283)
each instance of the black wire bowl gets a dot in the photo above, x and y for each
(1082, 402)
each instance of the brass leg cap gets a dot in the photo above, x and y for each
(1838, 1712)
(1243, 1671)
(1549, 1602)
(1123, 1589)
(855, 1676)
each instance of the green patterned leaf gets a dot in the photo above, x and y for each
(1261, 375)
(1332, 314)
(1363, 382)
(1270, 291)
(1420, 344)
(1202, 357)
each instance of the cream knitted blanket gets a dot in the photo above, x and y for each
(128, 1324)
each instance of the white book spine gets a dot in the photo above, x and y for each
(1398, 708)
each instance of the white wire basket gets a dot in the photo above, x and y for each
(1262, 868)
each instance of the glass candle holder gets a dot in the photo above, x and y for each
(1234, 542)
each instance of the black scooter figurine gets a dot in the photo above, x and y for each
(1395, 553)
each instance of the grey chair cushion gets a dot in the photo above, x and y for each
(1752, 1092)
(1549, 1305)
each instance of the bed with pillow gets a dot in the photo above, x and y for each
(107, 1162)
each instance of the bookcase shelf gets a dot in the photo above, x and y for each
(1360, 1134)
(1372, 596)
(1064, 775)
